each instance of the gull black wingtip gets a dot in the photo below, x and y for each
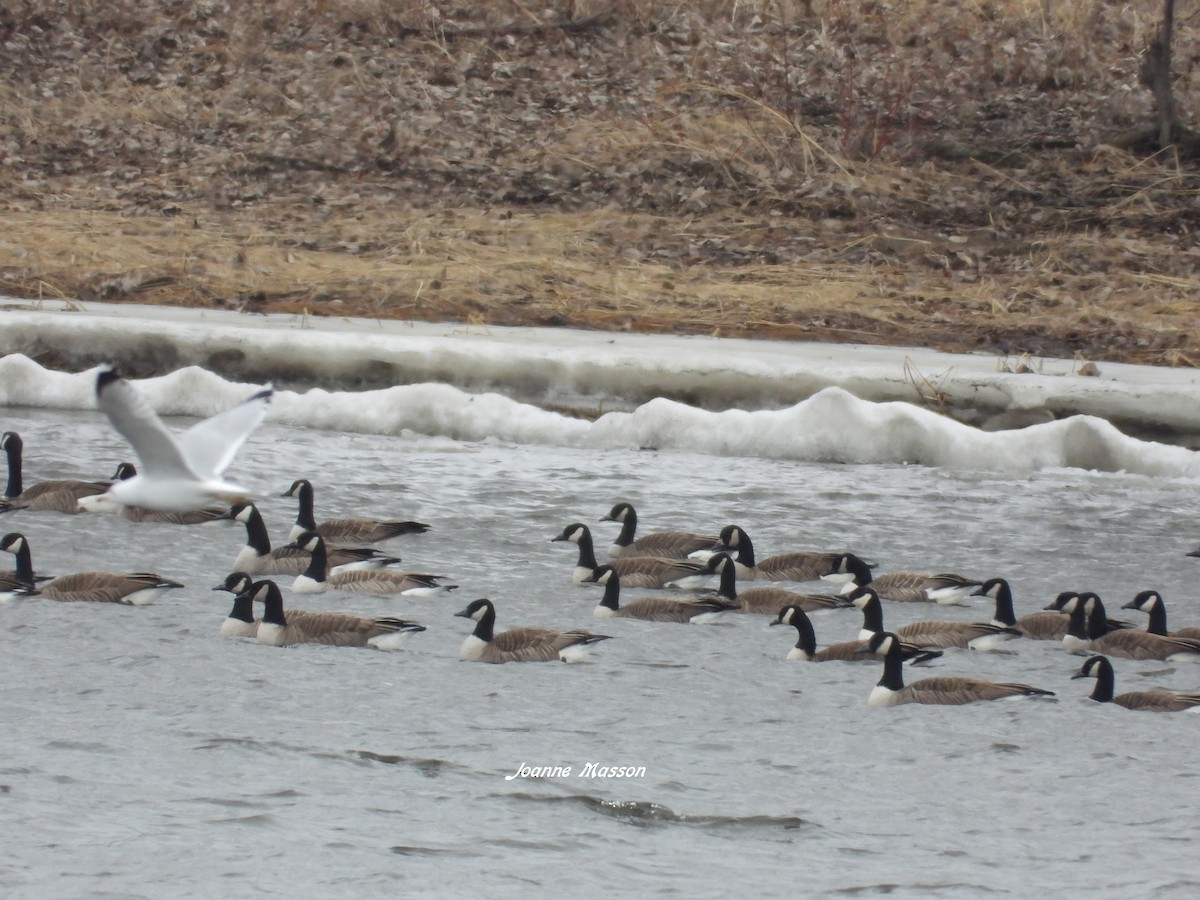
(107, 375)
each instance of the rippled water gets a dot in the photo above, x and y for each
(145, 756)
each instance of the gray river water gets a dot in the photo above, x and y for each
(142, 755)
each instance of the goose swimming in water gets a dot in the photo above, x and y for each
(1101, 669)
(671, 544)
(520, 644)
(128, 588)
(697, 610)
(945, 690)
(344, 531)
(58, 495)
(635, 571)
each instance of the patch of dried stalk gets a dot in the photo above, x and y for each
(926, 172)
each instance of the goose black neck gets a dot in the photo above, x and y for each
(12, 449)
(893, 669)
(256, 532)
(273, 607)
(1105, 683)
(304, 516)
(745, 550)
(1077, 623)
(486, 626)
(1097, 618)
(318, 565)
(24, 562)
(612, 593)
(1158, 618)
(859, 569)
(806, 638)
(243, 609)
(628, 528)
(1005, 614)
(727, 587)
(872, 611)
(587, 553)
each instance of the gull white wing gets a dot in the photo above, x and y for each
(134, 420)
(211, 445)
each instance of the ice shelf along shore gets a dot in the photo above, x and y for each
(794, 400)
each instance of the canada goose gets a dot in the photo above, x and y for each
(946, 690)
(800, 566)
(106, 503)
(318, 577)
(12, 587)
(635, 571)
(944, 634)
(698, 610)
(179, 473)
(670, 544)
(766, 601)
(129, 588)
(235, 583)
(1151, 602)
(520, 644)
(1038, 626)
(1088, 633)
(945, 588)
(258, 558)
(1101, 669)
(343, 531)
(284, 629)
(1063, 604)
(59, 495)
(240, 622)
(846, 651)
(61, 498)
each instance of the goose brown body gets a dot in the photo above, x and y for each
(941, 690)
(1100, 668)
(766, 601)
(946, 588)
(635, 571)
(528, 644)
(128, 588)
(657, 609)
(279, 628)
(258, 557)
(1088, 633)
(669, 544)
(57, 495)
(1152, 603)
(344, 530)
(319, 577)
(795, 566)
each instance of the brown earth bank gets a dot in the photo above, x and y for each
(960, 176)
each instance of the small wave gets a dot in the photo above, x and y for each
(427, 766)
(646, 813)
(456, 852)
(256, 819)
(952, 889)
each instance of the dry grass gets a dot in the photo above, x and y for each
(924, 172)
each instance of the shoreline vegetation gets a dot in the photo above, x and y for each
(957, 176)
